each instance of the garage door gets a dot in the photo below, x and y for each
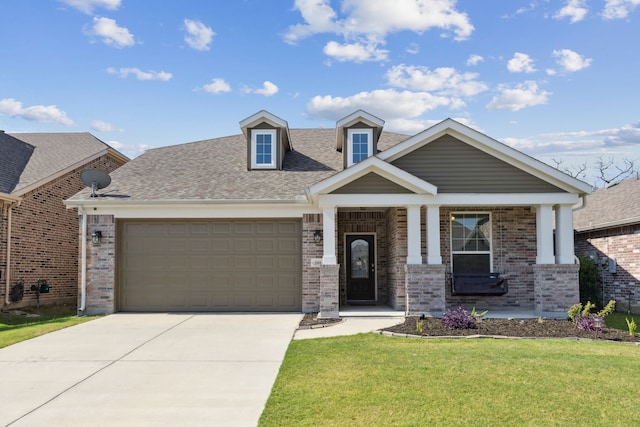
(210, 265)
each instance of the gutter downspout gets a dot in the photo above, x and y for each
(83, 261)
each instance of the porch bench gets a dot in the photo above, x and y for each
(478, 284)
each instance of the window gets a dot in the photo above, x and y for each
(471, 242)
(360, 145)
(263, 149)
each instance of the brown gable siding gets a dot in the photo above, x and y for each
(456, 167)
(371, 183)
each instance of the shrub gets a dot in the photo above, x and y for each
(589, 281)
(458, 318)
(585, 320)
(631, 324)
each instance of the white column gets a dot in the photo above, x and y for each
(544, 234)
(433, 235)
(413, 235)
(564, 235)
(329, 235)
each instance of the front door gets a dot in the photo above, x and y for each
(361, 267)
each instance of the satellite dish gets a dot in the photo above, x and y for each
(95, 179)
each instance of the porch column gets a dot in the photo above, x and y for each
(564, 235)
(544, 234)
(413, 235)
(433, 235)
(329, 235)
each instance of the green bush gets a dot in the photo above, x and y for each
(590, 283)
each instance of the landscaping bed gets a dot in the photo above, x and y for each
(538, 328)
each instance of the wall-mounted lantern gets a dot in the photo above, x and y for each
(96, 237)
(317, 236)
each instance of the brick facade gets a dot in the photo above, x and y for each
(101, 268)
(397, 256)
(425, 290)
(555, 288)
(310, 274)
(44, 238)
(623, 245)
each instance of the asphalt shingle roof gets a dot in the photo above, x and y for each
(14, 156)
(55, 152)
(216, 169)
(609, 207)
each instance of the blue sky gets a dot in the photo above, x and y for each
(554, 79)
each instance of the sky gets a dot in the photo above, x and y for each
(557, 80)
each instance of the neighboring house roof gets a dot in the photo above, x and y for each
(53, 154)
(14, 157)
(216, 169)
(609, 207)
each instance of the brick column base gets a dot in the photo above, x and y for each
(329, 292)
(555, 288)
(425, 289)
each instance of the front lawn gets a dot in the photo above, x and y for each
(374, 380)
(618, 321)
(23, 324)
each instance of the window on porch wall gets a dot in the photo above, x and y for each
(471, 242)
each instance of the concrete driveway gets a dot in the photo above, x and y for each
(146, 370)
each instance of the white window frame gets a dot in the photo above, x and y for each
(254, 148)
(452, 252)
(358, 131)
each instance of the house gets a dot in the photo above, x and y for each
(38, 235)
(312, 220)
(607, 229)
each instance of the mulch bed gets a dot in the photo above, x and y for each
(543, 328)
(310, 320)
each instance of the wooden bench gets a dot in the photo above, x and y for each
(478, 284)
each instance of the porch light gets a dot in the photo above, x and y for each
(96, 237)
(317, 236)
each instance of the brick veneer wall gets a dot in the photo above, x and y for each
(623, 245)
(101, 267)
(514, 254)
(364, 222)
(310, 275)
(396, 256)
(425, 290)
(44, 238)
(556, 288)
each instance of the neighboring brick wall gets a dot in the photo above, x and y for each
(397, 256)
(310, 275)
(425, 290)
(364, 222)
(101, 266)
(623, 245)
(514, 254)
(44, 238)
(555, 288)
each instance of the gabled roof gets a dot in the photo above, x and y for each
(353, 118)
(14, 157)
(264, 116)
(492, 147)
(55, 154)
(615, 206)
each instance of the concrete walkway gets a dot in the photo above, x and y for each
(355, 321)
(146, 370)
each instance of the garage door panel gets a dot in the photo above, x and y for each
(232, 265)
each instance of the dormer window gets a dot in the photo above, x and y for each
(360, 145)
(263, 143)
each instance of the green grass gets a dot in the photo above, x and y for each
(373, 380)
(15, 328)
(617, 320)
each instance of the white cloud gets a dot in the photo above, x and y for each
(619, 9)
(571, 61)
(198, 36)
(474, 60)
(129, 150)
(521, 63)
(87, 6)
(139, 74)
(100, 126)
(355, 52)
(575, 10)
(267, 89)
(111, 33)
(37, 113)
(216, 86)
(413, 48)
(444, 80)
(389, 103)
(523, 95)
(368, 22)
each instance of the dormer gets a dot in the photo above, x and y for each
(357, 136)
(267, 140)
